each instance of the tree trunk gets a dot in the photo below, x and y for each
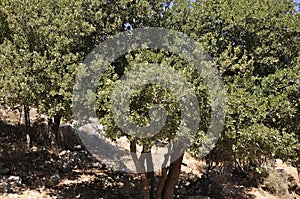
(58, 141)
(57, 119)
(164, 173)
(145, 189)
(172, 179)
(298, 170)
(169, 177)
(146, 155)
(175, 168)
(27, 127)
(53, 133)
(150, 176)
(161, 183)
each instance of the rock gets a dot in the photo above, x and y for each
(78, 147)
(34, 149)
(66, 137)
(14, 179)
(53, 180)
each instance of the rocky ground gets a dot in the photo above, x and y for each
(73, 173)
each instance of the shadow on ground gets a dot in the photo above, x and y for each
(73, 173)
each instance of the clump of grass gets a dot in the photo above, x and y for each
(277, 183)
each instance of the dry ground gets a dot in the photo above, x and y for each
(40, 173)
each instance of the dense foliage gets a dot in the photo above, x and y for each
(255, 44)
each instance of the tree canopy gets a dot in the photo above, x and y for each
(255, 46)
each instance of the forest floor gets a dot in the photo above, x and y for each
(74, 173)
